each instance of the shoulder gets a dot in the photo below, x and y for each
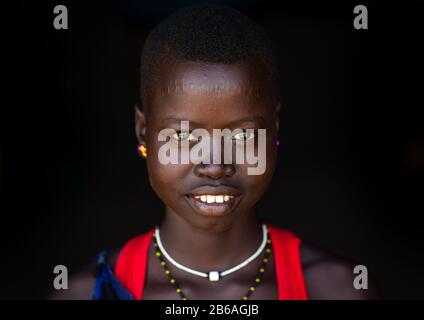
(137, 243)
(81, 284)
(328, 276)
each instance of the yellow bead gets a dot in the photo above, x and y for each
(258, 280)
(262, 270)
(252, 289)
(178, 290)
(268, 250)
(184, 299)
(167, 271)
(265, 260)
(244, 298)
(155, 244)
(158, 254)
(172, 280)
(268, 241)
(162, 263)
(143, 151)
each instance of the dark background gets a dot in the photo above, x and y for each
(351, 161)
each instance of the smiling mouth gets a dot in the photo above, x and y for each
(213, 205)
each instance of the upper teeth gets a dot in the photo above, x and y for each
(211, 199)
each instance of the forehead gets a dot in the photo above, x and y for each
(211, 94)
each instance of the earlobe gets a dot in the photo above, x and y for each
(140, 125)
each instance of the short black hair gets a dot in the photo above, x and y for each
(206, 33)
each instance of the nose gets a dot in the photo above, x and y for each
(214, 171)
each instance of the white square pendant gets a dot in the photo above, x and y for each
(213, 275)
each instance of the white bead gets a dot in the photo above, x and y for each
(214, 276)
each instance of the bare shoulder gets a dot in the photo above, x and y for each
(81, 284)
(330, 277)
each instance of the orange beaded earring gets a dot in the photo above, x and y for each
(142, 150)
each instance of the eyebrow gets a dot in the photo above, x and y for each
(177, 120)
(256, 119)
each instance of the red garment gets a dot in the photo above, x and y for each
(131, 265)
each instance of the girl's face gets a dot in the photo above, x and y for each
(209, 96)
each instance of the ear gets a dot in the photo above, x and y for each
(277, 116)
(140, 125)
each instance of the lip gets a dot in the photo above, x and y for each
(214, 209)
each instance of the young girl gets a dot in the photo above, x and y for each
(213, 67)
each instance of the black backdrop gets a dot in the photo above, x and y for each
(350, 164)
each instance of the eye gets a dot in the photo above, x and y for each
(244, 135)
(184, 136)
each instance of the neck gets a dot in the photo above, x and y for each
(214, 247)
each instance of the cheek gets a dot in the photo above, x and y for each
(271, 157)
(266, 159)
(256, 185)
(166, 180)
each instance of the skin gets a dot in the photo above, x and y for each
(196, 92)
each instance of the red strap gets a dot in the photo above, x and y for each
(288, 265)
(131, 265)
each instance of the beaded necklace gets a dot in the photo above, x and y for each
(252, 288)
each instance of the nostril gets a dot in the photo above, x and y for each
(214, 171)
(229, 170)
